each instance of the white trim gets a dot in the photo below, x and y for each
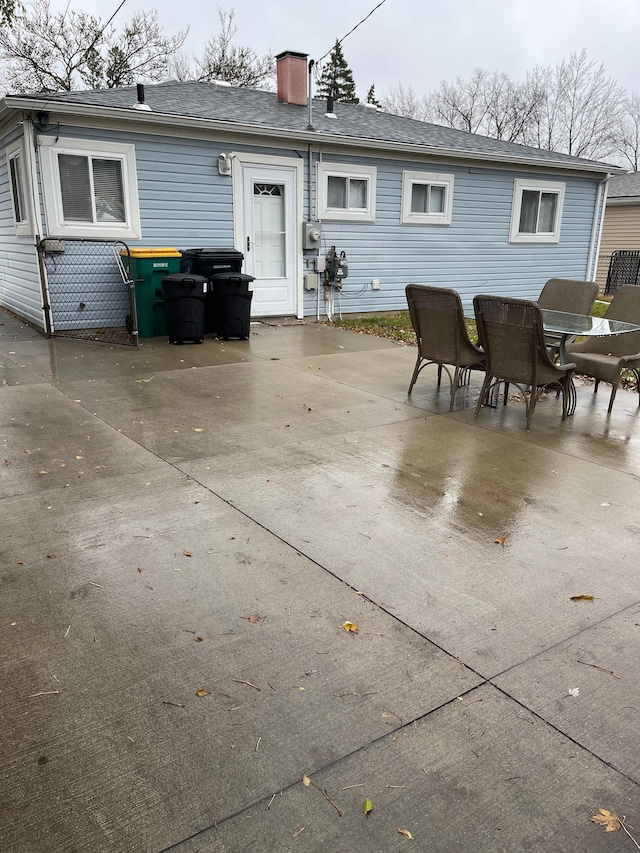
(15, 152)
(56, 226)
(325, 170)
(409, 180)
(519, 187)
(295, 164)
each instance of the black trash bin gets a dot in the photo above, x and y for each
(231, 294)
(209, 262)
(184, 297)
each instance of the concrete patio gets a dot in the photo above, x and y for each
(203, 520)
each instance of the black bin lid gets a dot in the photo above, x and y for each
(187, 277)
(232, 276)
(212, 251)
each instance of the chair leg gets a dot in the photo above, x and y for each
(439, 374)
(595, 386)
(531, 405)
(612, 398)
(483, 393)
(416, 370)
(454, 386)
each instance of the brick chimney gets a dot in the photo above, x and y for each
(291, 69)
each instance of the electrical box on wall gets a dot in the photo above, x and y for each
(311, 235)
(311, 281)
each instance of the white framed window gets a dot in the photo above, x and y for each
(346, 192)
(90, 189)
(427, 198)
(536, 213)
(18, 188)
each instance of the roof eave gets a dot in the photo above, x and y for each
(21, 103)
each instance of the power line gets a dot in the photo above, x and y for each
(353, 29)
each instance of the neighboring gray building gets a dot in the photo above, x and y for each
(208, 165)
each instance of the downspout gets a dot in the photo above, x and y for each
(596, 229)
(35, 216)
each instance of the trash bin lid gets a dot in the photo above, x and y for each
(232, 276)
(185, 276)
(212, 250)
(164, 252)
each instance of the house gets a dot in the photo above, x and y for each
(621, 232)
(281, 180)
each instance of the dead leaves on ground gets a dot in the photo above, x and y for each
(351, 627)
(577, 598)
(609, 820)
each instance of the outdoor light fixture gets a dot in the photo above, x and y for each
(224, 164)
(43, 121)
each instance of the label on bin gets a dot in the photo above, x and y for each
(250, 286)
(160, 265)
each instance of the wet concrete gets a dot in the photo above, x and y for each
(206, 518)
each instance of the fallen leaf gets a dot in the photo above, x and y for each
(6, 462)
(351, 626)
(608, 819)
(500, 540)
(198, 639)
(140, 570)
(405, 832)
(198, 429)
(306, 781)
(255, 618)
(42, 472)
(201, 693)
(187, 553)
(367, 807)
(21, 562)
(576, 598)
(51, 556)
(79, 457)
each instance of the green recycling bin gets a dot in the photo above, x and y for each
(147, 269)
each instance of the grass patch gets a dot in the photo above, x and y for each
(398, 326)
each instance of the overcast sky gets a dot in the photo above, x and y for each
(416, 42)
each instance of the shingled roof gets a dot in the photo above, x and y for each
(247, 110)
(625, 186)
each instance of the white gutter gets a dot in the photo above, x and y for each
(300, 136)
(596, 229)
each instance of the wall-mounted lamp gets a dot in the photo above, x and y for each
(43, 121)
(224, 164)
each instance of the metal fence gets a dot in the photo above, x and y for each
(90, 293)
(623, 268)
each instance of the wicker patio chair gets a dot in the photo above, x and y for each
(608, 357)
(566, 294)
(438, 320)
(512, 336)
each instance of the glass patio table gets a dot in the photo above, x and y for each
(567, 325)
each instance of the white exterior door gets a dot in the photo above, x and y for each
(268, 224)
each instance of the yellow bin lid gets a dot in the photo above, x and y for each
(166, 252)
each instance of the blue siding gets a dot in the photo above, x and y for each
(472, 255)
(184, 202)
(20, 290)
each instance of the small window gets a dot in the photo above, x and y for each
(346, 192)
(537, 211)
(90, 190)
(427, 199)
(18, 188)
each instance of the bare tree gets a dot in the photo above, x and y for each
(240, 66)
(51, 52)
(573, 108)
(404, 102)
(581, 108)
(627, 135)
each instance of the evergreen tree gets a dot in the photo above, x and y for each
(371, 96)
(336, 80)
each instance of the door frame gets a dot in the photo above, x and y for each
(296, 166)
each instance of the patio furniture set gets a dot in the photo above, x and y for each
(528, 344)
